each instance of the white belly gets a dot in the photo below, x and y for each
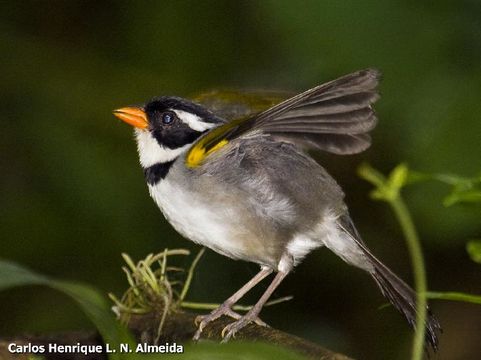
(213, 225)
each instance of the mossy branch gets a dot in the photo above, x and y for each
(177, 327)
(152, 308)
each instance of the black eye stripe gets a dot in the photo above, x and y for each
(174, 137)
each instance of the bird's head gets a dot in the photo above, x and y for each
(165, 127)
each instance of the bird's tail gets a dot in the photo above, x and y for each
(403, 298)
(401, 295)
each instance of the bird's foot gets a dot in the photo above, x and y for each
(201, 321)
(230, 330)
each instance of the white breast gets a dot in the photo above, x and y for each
(193, 218)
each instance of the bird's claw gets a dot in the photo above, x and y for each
(230, 330)
(201, 321)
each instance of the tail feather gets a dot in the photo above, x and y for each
(401, 295)
(403, 298)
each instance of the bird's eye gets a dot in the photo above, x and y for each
(167, 118)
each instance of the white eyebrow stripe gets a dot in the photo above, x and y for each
(194, 122)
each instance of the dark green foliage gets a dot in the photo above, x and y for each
(73, 195)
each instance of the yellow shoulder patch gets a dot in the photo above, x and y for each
(198, 153)
(213, 141)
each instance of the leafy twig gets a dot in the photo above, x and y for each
(389, 190)
(464, 190)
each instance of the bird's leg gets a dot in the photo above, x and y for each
(230, 330)
(226, 307)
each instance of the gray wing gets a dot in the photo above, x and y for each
(334, 117)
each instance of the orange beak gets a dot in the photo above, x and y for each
(133, 116)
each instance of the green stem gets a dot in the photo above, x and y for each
(211, 306)
(454, 296)
(190, 275)
(415, 251)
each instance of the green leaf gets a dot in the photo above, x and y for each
(398, 177)
(473, 248)
(94, 305)
(462, 196)
(463, 189)
(368, 173)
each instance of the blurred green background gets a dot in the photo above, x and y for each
(73, 195)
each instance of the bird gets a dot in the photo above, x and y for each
(248, 188)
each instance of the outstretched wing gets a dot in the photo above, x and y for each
(335, 117)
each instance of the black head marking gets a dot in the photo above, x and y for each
(162, 103)
(167, 128)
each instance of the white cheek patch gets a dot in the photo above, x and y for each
(194, 122)
(151, 153)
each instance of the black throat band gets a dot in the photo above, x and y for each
(153, 174)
